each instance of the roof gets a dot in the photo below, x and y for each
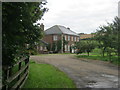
(58, 29)
(86, 36)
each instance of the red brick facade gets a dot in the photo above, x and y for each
(70, 38)
(56, 33)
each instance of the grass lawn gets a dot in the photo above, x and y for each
(96, 57)
(47, 76)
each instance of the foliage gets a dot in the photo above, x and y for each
(64, 43)
(19, 28)
(85, 46)
(90, 45)
(47, 76)
(114, 59)
(108, 35)
(49, 47)
(59, 45)
(54, 47)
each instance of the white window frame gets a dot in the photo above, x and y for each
(55, 37)
(68, 38)
(75, 39)
(68, 48)
(65, 47)
(78, 39)
(72, 38)
(65, 37)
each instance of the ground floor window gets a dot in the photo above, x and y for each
(68, 47)
(41, 47)
(65, 47)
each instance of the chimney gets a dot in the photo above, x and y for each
(119, 9)
(42, 26)
(68, 28)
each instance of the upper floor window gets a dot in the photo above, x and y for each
(55, 38)
(65, 38)
(75, 39)
(68, 38)
(78, 39)
(71, 38)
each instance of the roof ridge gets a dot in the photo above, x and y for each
(68, 29)
(72, 31)
(59, 28)
(49, 28)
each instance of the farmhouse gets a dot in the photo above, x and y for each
(61, 39)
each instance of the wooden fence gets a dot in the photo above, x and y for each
(16, 75)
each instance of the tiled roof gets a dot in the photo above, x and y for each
(57, 29)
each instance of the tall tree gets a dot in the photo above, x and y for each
(19, 28)
(108, 35)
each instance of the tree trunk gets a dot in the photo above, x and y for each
(104, 51)
(110, 58)
(88, 53)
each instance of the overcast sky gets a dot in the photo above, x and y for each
(81, 16)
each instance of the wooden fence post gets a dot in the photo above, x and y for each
(21, 75)
(8, 73)
(26, 61)
(19, 67)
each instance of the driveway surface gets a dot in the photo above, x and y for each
(85, 73)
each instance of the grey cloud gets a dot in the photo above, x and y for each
(82, 16)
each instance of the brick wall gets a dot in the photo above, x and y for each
(70, 38)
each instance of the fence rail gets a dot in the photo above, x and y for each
(16, 80)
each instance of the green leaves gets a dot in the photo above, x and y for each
(85, 46)
(107, 36)
(18, 27)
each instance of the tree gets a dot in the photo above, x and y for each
(85, 46)
(105, 37)
(19, 28)
(116, 29)
(90, 45)
(80, 46)
(108, 35)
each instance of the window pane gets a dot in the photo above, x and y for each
(75, 38)
(68, 47)
(65, 47)
(68, 38)
(71, 38)
(55, 38)
(65, 37)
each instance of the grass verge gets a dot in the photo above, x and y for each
(96, 57)
(47, 76)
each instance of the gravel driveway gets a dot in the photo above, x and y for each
(85, 73)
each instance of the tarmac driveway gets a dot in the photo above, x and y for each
(85, 73)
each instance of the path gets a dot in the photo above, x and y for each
(85, 73)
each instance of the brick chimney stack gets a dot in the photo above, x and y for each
(42, 26)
